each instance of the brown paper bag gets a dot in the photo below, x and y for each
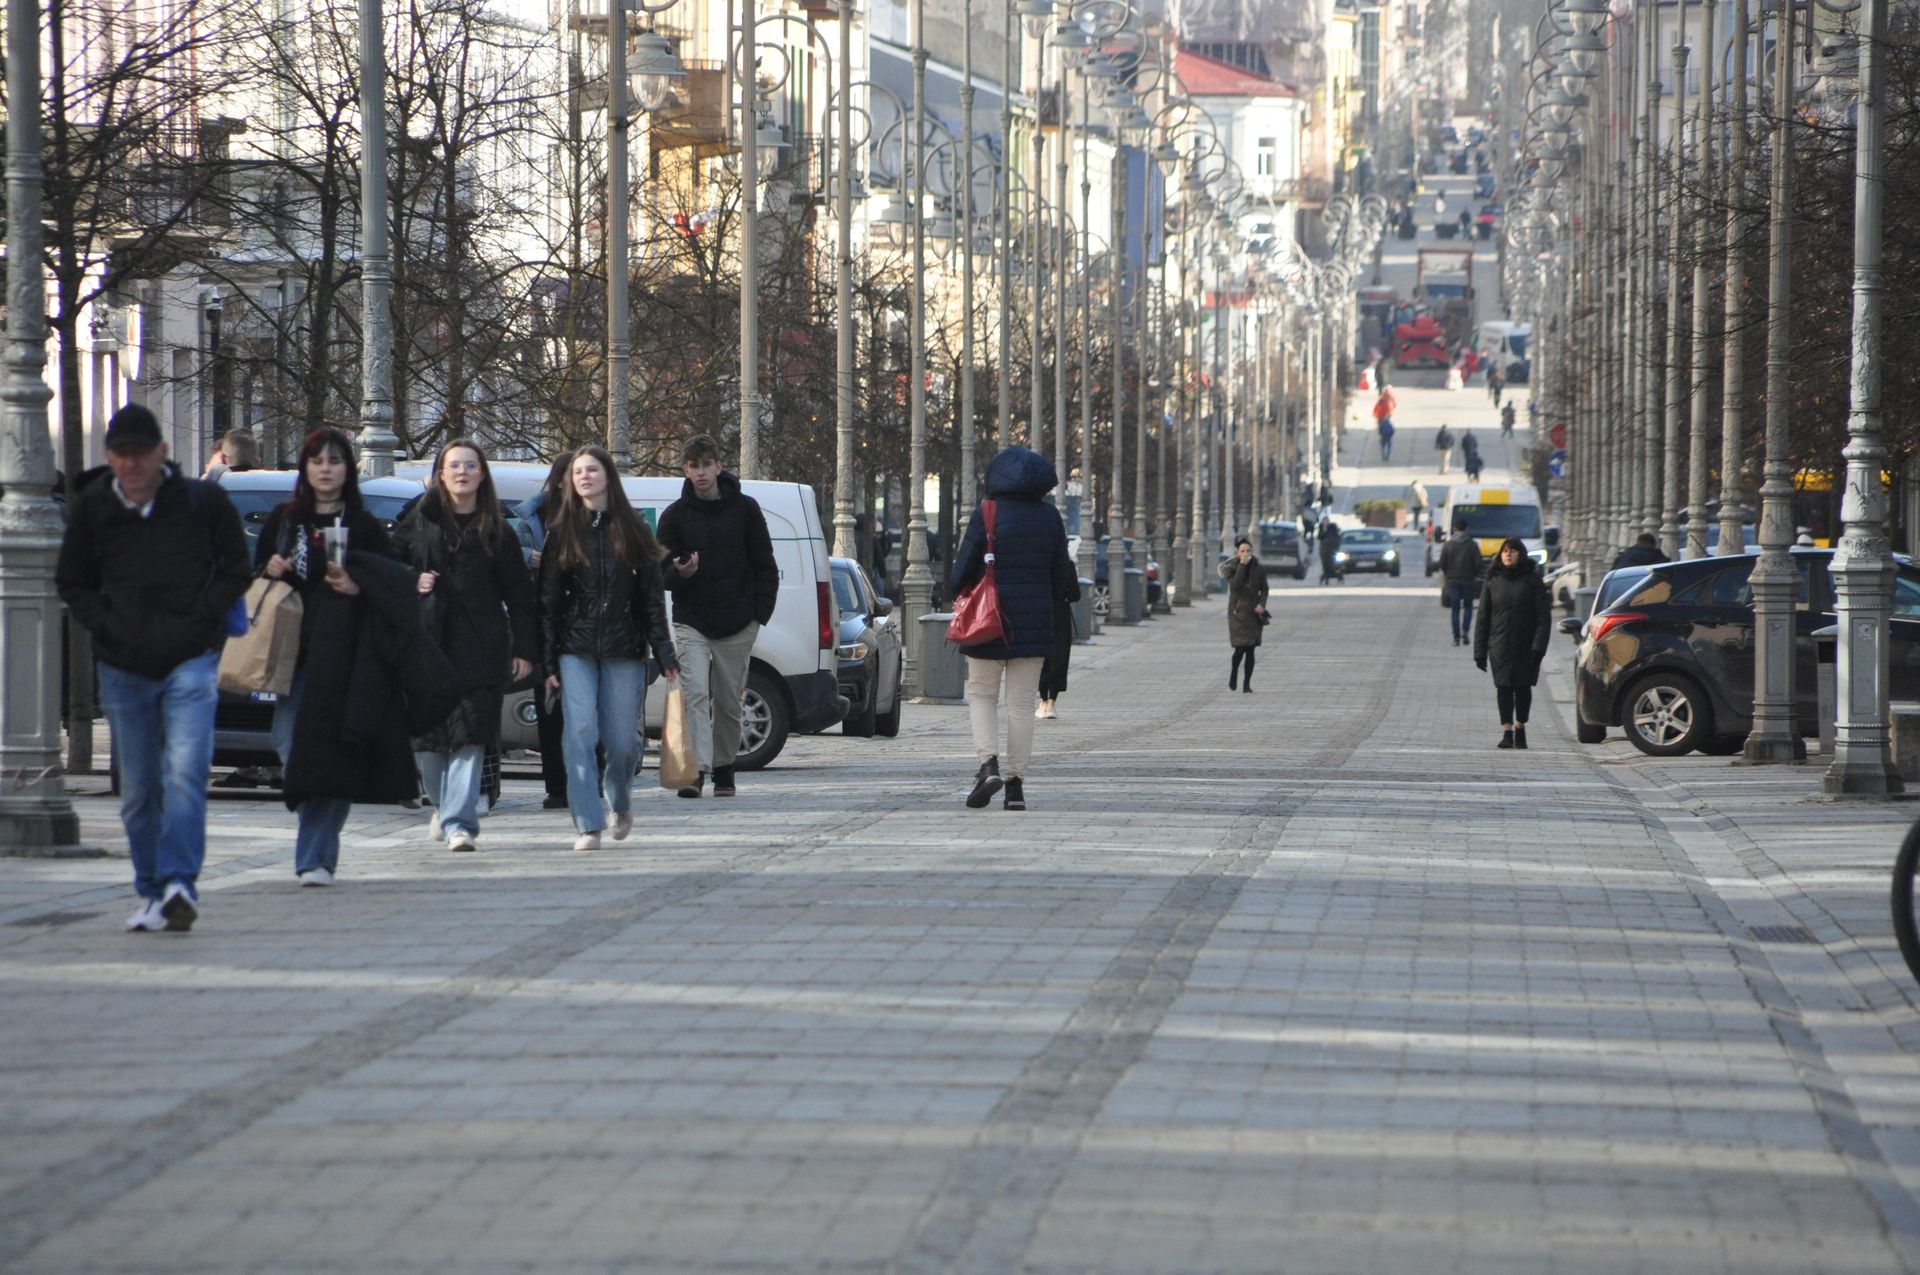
(262, 659)
(679, 766)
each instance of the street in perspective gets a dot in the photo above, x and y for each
(1087, 638)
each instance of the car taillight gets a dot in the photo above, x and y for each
(827, 635)
(1601, 625)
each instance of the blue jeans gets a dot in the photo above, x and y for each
(600, 707)
(1463, 596)
(163, 737)
(453, 782)
(317, 843)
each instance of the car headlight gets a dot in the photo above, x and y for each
(1340, 555)
(851, 650)
(1391, 555)
(1538, 555)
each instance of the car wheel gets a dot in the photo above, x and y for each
(1723, 745)
(1667, 715)
(887, 724)
(1589, 734)
(1102, 602)
(764, 722)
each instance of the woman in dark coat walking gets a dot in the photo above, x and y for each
(1033, 574)
(1246, 610)
(1510, 635)
(480, 606)
(1053, 673)
(537, 513)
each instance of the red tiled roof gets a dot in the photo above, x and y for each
(1206, 77)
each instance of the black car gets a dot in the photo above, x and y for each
(1371, 549)
(1280, 549)
(1102, 598)
(1672, 661)
(869, 653)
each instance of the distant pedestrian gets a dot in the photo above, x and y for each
(537, 513)
(238, 452)
(1643, 552)
(603, 611)
(1496, 383)
(1443, 443)
(1470, 456)
(1386, 439)
(1328, 535)
(1416, 503)
(151, 563)
(479, 605)
(724, 582)
(1461, 567)
(1510, 636)
(1507, 415)
(1053, 673)
(1246, 611)
(1033, 575)
(336, 731)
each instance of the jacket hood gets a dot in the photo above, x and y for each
(729, 488)
(1020, 474)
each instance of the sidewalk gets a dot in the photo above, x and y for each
(1311, 979)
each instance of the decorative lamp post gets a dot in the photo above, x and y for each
(376, 267)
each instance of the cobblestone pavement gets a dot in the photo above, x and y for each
(1308, 980)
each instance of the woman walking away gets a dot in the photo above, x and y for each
(537, 513)
(480, 607)
(1053, 674)
(1246, 610)
(338, 737)
(1033, 573)
(1470, 455)
(1510, 635)
(603, 608)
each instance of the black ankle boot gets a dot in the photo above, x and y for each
(1233, 679)
(1520, 735)
(1016, 798)
(986, 782)
(1506, 738)
(1247, 686)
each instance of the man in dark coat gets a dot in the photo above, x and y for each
(1032, 573)
(1643, 552)
(1510, 636)
(151, 563)
(724, 583)
(1460, 566)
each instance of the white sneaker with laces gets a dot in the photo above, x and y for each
(179, 909)
(622, 825)
(316, 876)
(148, 918)
(461, 839)
(1040, 711)
(433, 826)
(587, 841)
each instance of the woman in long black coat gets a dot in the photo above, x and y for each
(1510, 635)
(480, 606)
(1033, 575)
(1246, 610)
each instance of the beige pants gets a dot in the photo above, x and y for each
(983, 705)
(713, 673)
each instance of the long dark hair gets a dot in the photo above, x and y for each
(633, 541)
(300, 508)
(489, 523)
(554, 489)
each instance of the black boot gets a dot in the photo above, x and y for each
(1520, 735)
(1233, 678)
(986, 782)
(1247, 686)
(1506, 737)
(1016, 795)
(723, 781)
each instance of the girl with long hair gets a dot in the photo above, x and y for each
(603, 610)
(537, 513)
(321, 779)
(480, 608)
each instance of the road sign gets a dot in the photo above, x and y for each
(1557, 463)
(1557, 435)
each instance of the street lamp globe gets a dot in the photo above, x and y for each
(768, 141)
(653, 69)
(1035, 14)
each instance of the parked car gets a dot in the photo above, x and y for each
(1371, 549)
(1281, 549)
(1672, 661)
(869, 652)
(1483, 186)
(1613, 586)
(1102, 599)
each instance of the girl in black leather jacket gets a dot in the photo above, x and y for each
(602, 611)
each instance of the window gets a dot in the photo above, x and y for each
(1266, 157)
(1906, 598)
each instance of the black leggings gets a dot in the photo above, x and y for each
(1238, 653)
(1514, 703)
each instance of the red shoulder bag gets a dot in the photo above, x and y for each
(976, 612)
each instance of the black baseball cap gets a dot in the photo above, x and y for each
(133, 426)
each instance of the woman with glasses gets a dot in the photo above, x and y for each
(479, 605)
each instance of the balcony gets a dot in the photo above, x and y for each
(699, 117)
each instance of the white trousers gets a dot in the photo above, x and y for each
(1022, 680)
(713, 673)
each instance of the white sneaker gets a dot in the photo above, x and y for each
(433, 826)
(316, 876)
(588, 841)
(147, 918)
(461, 839)
(179, 909)
(1040, 710)
(622, 825)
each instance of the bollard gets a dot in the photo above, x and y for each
(1826, 655)
(1904, 719)
(943, 669)
(1135, 592)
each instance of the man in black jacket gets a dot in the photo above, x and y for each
(1643, 552)
(1463, 567)
(151, 564)
(724, 583)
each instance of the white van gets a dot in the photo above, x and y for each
(792, 680)
(1494, 512)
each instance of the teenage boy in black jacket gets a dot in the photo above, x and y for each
(151, 564)
(724, 582)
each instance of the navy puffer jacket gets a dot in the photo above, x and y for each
(1030, 563)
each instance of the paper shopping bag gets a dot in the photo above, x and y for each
(262, 658)
(679, 767)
